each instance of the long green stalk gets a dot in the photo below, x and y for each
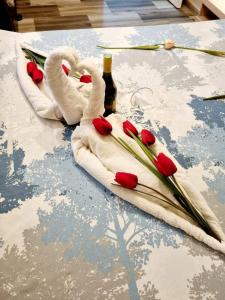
(170, 202)
(167, 202)
(143, 47)
(157, 46)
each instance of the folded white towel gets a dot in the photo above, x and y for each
(58, 96)
(102, 157)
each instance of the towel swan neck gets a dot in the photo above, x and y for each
(95, 105)
(69, 99)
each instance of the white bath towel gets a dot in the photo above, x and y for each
(102, 157)
(58, 96)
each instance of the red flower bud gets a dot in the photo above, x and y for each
(127, 180)
(102, 126)
(31, 66)
(128, 126)
(147, 137)
(165, 165)
(37, 76)
(65, 69)
(86, 78)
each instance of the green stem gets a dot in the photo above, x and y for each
(144, 47)
(162, 178)
(189, 206)
(165, 201)
(178, 191)
(157, 46)
(195, 212)
(173, 186)
(169, 202)
(143, 147)
(156, 191)
(215, 97)
(178, 186)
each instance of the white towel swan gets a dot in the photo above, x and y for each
(58, 96)
(102, 157)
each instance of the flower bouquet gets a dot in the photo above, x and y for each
(160, 166)
(135, 166)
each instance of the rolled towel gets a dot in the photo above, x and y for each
(58, 96)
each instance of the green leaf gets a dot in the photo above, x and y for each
(215, 97)
(207, 51)
(214, 52)
(143, 147)
(34, 53)
(39, 59)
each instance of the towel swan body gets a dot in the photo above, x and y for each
(58, 96)
(102, 157)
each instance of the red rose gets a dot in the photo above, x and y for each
(165, 165)
(127, 126)
(31, 66)
(127, 180)
(102, 126)
(147, 137)
(37, 76)
(66, 70)
(86, 78)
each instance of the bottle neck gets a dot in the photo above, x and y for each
(107, 64)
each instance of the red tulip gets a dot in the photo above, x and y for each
(165, 165)
(127, 180)
(37, 76)
(86, 78)
(31, 66)
(66, 70)
(102, 126)
(147, 137)
(128, 126)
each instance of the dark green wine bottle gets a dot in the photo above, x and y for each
(110, 87)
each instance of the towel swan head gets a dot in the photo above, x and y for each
(69, 99)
